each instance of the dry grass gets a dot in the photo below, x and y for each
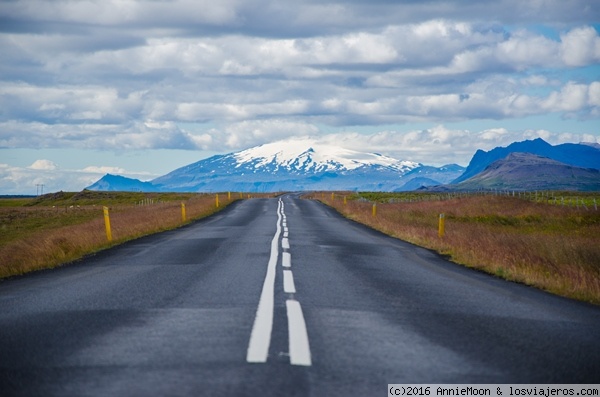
(547, 246)
(42, 237)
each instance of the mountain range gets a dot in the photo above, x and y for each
(527, 171)
(310, 164)
(578, 155)
(291, 165)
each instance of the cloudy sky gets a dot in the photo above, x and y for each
(139, 88)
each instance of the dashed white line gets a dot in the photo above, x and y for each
(288, 282)
(260, 338)
(286, 259)
(298, 337)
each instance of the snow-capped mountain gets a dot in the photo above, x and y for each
(292, 165)
(306, 155)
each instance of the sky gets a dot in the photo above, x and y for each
(141, 87)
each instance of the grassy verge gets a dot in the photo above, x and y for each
(552, 247)
(54, 229)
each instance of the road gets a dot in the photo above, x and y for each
(274, 297)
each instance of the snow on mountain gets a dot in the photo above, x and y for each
(302, 155)
(292, 165)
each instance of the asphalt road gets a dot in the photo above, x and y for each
(281, 297)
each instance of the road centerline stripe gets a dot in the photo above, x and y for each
(286, 259)
(298, 337)
(285, 243)
(260, 338)
(288, 282)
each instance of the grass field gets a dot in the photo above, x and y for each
(53, 229)
(536, 240)
(538, 243)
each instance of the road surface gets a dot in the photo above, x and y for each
(275, 297)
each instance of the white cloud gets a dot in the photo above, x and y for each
(580, 46)
(246, 134)
(94, 169)
(440, 145)
(43, 165)
(23, 180)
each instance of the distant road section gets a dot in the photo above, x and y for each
(282, 296)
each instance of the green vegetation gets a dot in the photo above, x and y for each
(535, 242)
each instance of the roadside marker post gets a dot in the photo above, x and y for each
(107, 224)
(183, 217)
(374, 209)
(217, 201)
(442, 226)
(228, 196)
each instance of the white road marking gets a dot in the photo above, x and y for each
(260, 338)
(286, 259)
(288, 282)
(286, 234)
(299, 347)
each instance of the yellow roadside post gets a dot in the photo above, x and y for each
(217, 200)
(374, 209)
(107, 224)
(228, 196)
(442, 226)
(183, 217)
(345, 202)
(332, 196)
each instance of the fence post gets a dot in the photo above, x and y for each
(442, 226)
(183, 217)
(107, 224)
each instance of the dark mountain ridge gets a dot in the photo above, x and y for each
(578, 155)
(527, 171)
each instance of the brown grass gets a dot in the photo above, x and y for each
(36, 238)
(547, 246)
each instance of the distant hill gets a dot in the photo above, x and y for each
(119, 183)
(578, 155)
(416, 184)
(526, 171)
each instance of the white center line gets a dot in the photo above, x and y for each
(286, 259)
(260, 338)
(285, 243)
(299, 347)
(288, 282)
